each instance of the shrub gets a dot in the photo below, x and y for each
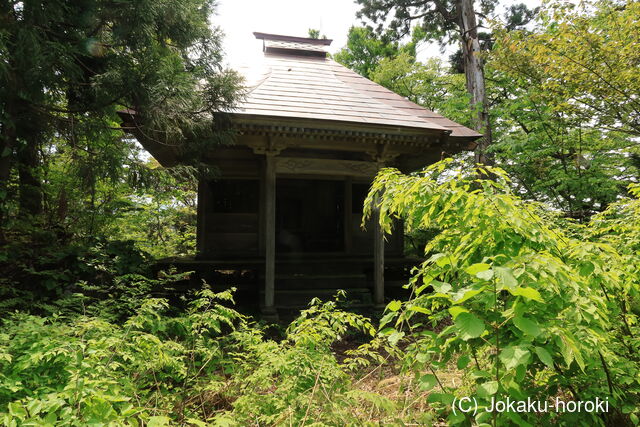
(529, 310)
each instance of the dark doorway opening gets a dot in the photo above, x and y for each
(309, 215)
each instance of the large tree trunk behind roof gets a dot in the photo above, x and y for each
(474, 73)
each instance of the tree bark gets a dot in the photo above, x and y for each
(30, 200)
(474, 73)
(7, 142)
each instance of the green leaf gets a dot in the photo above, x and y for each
(419, 309)
(446, 260)
(587, 268)
(469, 326)
(444, 398)
(474, 269)
(463, 362)
(394, 305)
(441, 287)
(395, 337)
(196, 422)
(427, 382)
(158, 421)
(513, 356)
(387, 318)
(485, 275)
(544, 356)
(17, 410)
(458, 299)
(488, 389)
(528, 293)
(573, 349)
(527, 326)
(506, 277)
(456, 310)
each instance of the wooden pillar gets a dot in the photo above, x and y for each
(270, 234)
(378, 245)
(378, 259)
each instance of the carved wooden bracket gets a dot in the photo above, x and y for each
(267, 151)
(269, 148)
(382, 154)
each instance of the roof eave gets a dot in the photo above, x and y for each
(336, 125)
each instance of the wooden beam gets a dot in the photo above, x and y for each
(299, 165)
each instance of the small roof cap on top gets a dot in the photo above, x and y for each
(288, 45)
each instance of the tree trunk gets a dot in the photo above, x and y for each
(474, 73)
(29, 178)
(7, 142)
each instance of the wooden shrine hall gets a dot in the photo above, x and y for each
(311, 136)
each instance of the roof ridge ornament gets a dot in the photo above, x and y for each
(293, 46)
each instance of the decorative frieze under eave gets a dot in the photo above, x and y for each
(314, 134)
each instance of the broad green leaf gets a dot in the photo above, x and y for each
(419, 309)
(467, 295)
(544, 356)
(506, 277)
(469, 326)
(488, 389)
(387, 318)
(158, 421)
(575, 351)
(444, 398)
(394, 305)
(427, 382)
(395, 337)
(17, 410)
(474, 269)
(485, 275)
(463, 361)
(446, 260)
(441, 287)
(513, 356)
(586, 268)
(527, 326)
(196, 422)
(456, 310)
(527, 292)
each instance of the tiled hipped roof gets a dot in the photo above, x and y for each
(300, 82)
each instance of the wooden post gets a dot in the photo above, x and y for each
(378, 241)
(270, 234)
(378, 258)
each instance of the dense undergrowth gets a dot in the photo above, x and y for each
(512, 302)
(208, 364)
